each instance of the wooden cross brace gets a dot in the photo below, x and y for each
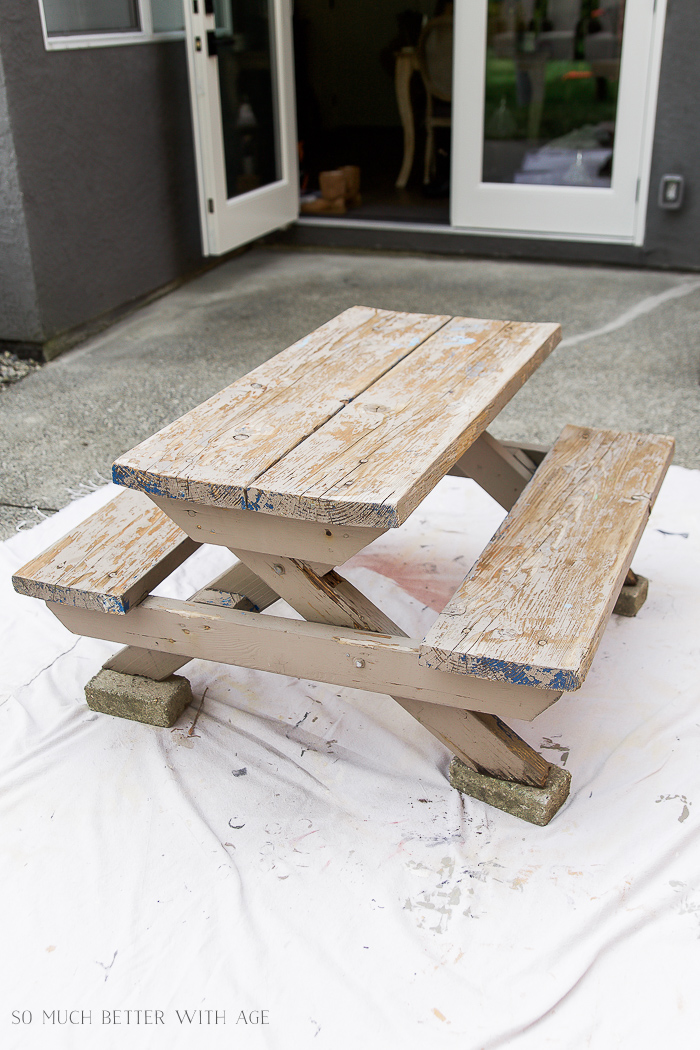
(346, 640)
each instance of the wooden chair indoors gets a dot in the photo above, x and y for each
(434, 59)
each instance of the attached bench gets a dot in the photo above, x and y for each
(114, 558)
(108, 564)
(111, 560)
(534, 606)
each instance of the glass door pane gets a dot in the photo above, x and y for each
(167, 16)
(247, 86)
(553, 116)
(68, 17)
(239, 55)
(551, 86)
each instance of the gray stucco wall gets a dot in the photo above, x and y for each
(104, 151)
(673, 237)
(19, 309)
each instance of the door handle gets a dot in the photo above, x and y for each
(212, 43)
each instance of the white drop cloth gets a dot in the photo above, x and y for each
(303, 853)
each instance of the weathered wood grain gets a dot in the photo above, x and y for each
(212, 454)
(111, 560)
(320, 652)
(534, 606)
(374, 461)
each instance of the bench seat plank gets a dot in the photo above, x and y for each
(534, 606)
(111, 560)
(213, 453)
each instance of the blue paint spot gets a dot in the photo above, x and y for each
(112, 604)
(120, 476)
(255, 504)
(522, 674)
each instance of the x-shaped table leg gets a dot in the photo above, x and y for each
(320, 594)
(304, 576)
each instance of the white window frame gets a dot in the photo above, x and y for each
(144, 35)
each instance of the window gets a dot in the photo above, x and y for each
(104, 23)
(167, 16)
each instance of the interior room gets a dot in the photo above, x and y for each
(355, 63)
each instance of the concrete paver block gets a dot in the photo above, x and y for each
(534, 804)
(139, 698)
(632, 597)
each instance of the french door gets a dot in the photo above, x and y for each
(553, 108)
(552, 117)
(241, 70)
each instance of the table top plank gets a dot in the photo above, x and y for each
(534, 606)
(213, 453)
(377, 459)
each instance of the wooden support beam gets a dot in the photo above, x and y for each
(317, 595)
(255, 530)
(149, 663)
(240, 580)
(236, 588)
(321, 652)
(489, 747)
(483, 742)
(532, 451)
(501, 471)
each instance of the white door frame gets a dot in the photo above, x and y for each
(557, 212)
(227, 223)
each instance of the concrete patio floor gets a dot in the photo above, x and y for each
(630, 358)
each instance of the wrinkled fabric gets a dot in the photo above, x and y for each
(296, 848)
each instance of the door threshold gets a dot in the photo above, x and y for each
(459, 231)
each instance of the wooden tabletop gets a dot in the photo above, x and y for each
(354, 424)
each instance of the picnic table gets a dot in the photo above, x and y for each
(301, 464)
